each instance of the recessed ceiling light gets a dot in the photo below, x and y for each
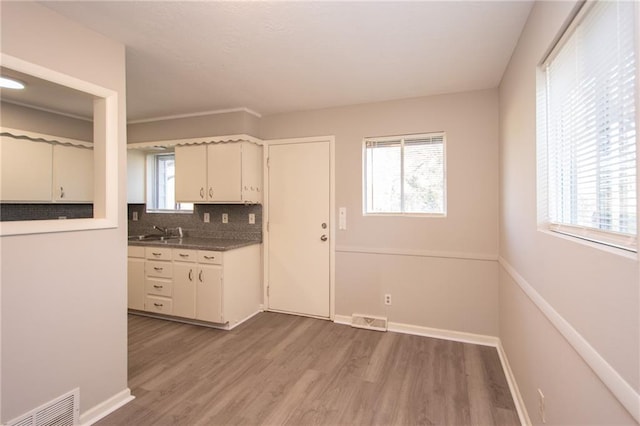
(9, 83)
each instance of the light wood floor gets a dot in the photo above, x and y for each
(283, 369)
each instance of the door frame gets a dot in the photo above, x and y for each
(332, 215)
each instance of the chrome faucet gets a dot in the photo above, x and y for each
(165, 231)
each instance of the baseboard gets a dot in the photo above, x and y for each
(105, 408)
(438, 333)
(342, 319)
(623, 392)
(513, 387)
(231, 327)
(463, 337)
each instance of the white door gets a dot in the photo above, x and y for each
(299, 228)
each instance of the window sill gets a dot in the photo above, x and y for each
(423, 215)
(592, 244)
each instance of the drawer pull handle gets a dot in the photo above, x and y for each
(209, 257)
(202, 193)
(210, 192)
(157, 286)
(156, 254)
(158, 305)
(183, 255)
(190, 274)
(157, 268)
(200, 276)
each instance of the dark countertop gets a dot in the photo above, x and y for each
(197, 243)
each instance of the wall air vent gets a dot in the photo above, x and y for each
(369, 322)
(62, 411)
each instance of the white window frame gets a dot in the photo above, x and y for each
(608, 240)
(152, 186)
(402, 139)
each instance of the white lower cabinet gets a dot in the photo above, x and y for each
(212, 286)
(135, 278)
(209, 291)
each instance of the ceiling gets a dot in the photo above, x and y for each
(274, 56)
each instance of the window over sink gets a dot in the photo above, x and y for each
(161, 187)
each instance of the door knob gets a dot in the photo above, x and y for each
(323, 238)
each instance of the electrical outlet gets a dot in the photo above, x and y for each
(541, 407)
(207, 218)
(225, 218)
(387, 299)
(135, 216)
(252, 219)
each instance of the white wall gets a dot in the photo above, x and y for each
(216, 124)
(595, 291)
(63, 306)
(440, 284)
(23, 118)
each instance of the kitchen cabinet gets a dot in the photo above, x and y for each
(185, 272)
(158, 280)
(209, 294)
(205, 285)
(42, 172)
(135, 278)
(25, 170)
(191, 173)
(219, 173)
(136, 160)
(72, 174)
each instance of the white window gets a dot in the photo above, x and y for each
(587, 134)
(161, 184)
(405, 175)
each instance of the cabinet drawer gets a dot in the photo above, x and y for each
(185, 255)
(158, 287)
(158, 253)
(212, 257)
(134, 251)
(161, 305)
(158, 269)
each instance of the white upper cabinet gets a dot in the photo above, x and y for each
(219, 173)
(72, 174)
(135, 176)
(25, 170)
(191, 173)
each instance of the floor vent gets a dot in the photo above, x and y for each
(369, 322)
(62, 411)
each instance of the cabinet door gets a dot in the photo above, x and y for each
(191, 173)
(72, 174)
(209, 294)
(135, 283)
(135, 176)
(25, 170)
(224, 172)
(251, 173)
(184, 289)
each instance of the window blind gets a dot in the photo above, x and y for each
(405, 174)
(591, 128)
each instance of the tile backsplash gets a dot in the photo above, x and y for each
(13, 212)
(193, 224)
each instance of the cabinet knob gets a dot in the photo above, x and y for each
(323, 238)
(202, 193)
